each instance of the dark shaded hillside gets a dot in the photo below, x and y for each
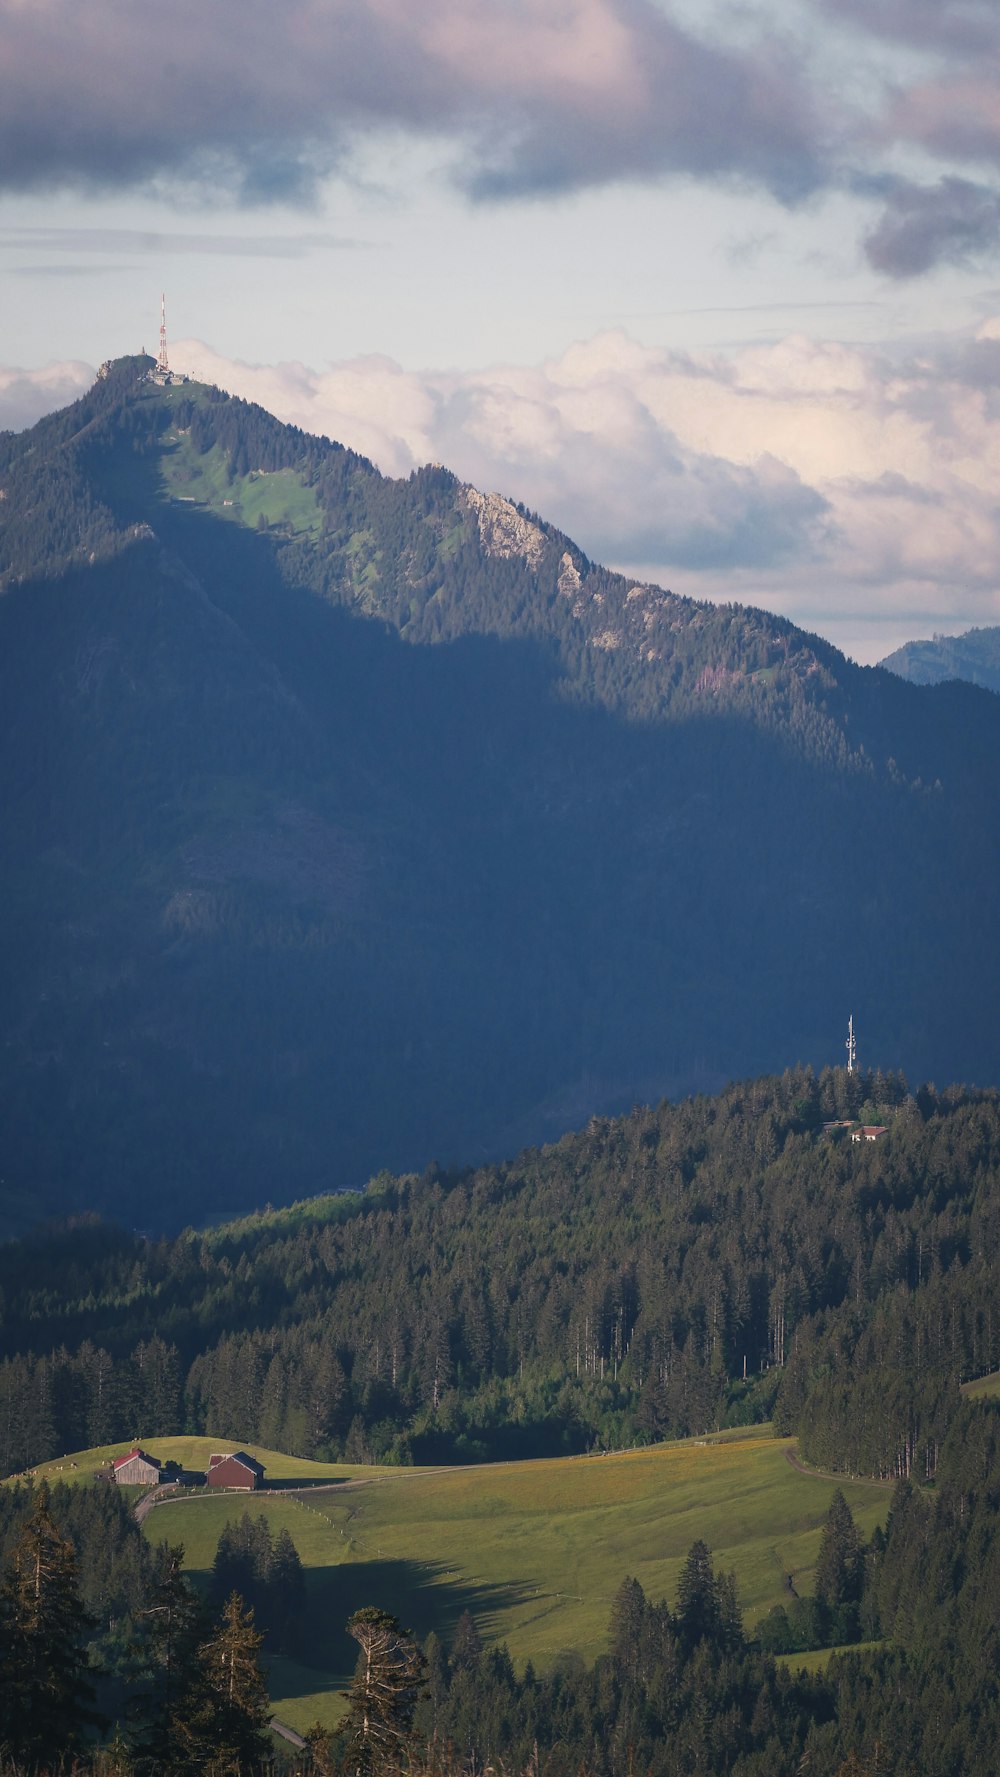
(353, 822)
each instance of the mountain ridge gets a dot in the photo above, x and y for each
(973, 656)
(339, 839)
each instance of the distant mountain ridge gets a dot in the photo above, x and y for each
(974, 656)
(354, 822)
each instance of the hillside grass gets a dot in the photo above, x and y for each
(817, 1658)
(985, 1388)
(536, 1550)
(279, 496)
(193, 1453)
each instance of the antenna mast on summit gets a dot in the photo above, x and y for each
(161, 363)
(852, 1046)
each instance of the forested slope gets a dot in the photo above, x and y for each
(974, 656)
(658, 1275)
(353, 822)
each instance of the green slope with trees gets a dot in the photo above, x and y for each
(684, 1267)
(974, 656)
(535, 1551)
(680, 1686)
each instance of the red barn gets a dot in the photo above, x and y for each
(235, 1469)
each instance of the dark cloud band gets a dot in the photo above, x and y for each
(954, 222)
(536, 95)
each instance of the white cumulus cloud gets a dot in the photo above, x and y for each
(848, 487)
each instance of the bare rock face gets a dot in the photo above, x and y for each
(502, 530)
(569, 576)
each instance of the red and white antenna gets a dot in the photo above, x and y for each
(161, 363)
(852, 1046)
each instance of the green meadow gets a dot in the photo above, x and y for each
(985, 1388)
(536, 1550)
(193, 1453)
(280, 496)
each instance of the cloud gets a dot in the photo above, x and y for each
(25, 395)
(943, 101)
(522, 98)
(969, 27)
(838, 485)
(164, 241)
(954, 222)
(850, 488)
(533, 95)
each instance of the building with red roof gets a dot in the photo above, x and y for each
(136, 1469)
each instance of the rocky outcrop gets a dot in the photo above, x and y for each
(502, 529)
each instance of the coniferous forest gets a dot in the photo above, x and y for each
(717, 1262)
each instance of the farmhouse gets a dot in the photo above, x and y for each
(234, 1469)
(136, 1469)
(869, 1132)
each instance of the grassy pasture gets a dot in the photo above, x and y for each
(280, 496)
(535, 1550)
(985, 1388)
(817, 1658)
(193, 1453)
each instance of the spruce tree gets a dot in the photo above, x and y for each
(467, 1646)
(45, 1691)
(286, 1593)
(224, 1732)
(169, 1679)
(699, 1615)
(839, 1569)
(628, 1614)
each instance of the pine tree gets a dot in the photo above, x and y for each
(170, 1675)
(383, 1693)
(467, 1645)
(628, 1613)
(286, 1593)
(839, 1571)
(225, 1734)
(698, 1612)
(45, 1692)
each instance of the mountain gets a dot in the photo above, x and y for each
(351, 823)
(974, 656)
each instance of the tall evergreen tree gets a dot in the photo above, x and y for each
(225, 1733)
(46, 1695)
(467, 1645)
(628, 1613)
(169, 1676)
(839, 1570)
(286, 1593)
(699, 1615)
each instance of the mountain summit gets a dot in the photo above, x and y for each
(354, 822)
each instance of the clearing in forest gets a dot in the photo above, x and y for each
(535, 1550)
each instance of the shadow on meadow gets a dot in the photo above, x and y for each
(424, 1595)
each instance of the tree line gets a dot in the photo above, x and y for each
(686, 1267)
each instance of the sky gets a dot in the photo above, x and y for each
(714, 285)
